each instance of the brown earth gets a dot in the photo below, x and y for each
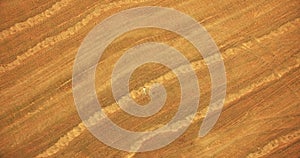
(259, 42)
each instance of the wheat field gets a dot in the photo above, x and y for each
(259, 43)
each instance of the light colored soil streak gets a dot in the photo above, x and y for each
(32, 21)
(50, 41)
(231, 98)
(276, 143)
(260, 49)
(66, 139)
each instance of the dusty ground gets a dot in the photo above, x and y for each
(259, 41)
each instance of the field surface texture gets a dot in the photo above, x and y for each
(259, 41)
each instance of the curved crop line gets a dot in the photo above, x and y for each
(32, 21)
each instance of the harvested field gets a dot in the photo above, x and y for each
(259, 43)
